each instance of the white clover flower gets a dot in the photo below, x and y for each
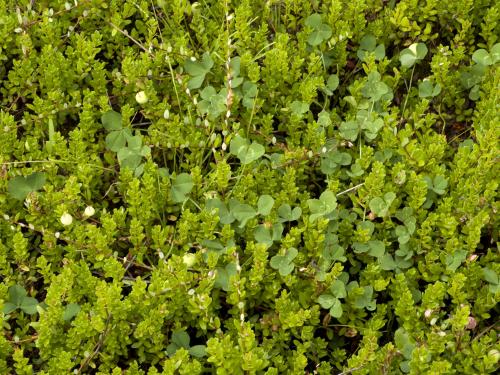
(89, 211)
(189, 259)
(66, 219)
(166, 114)
(141, 97)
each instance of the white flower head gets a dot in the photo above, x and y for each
(89, 211)
(189, 259)
(66, 219)
(141, 97)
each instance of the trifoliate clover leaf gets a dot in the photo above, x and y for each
(324, 119)
(225, 217)
(244, 151)
(331, 161)
(326, 300)
(326, 203)
(321, 31)
(284, 263)
(18, 299)
(299, 108)
(409, 56)
(481, 56)
(242, 212)
(181, 186)
(117, 139)
(380, 206)
(338, 289)
(19, 187)
(349, 130)
(222, 280)
(368, 44)
(111, 120)
(198, 70)
(286, 213)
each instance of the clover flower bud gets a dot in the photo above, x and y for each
(141, 97)
(66, 219)
(89, 211)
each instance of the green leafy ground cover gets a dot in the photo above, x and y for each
(249, 187)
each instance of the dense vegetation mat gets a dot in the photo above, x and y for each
(249, 187)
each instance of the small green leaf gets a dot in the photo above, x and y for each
(195, 82)
(299, 108)
(365, 300)
(409, 56)
(284, 263)
(368, 42)
(490, 276)
(243, 212)
(380, 206)
(349, 130)
(8, 307)
(440, 184)
(374, 88)
(427, 89)
(286, 269)
(181, 186)
(19, 187)
(70, 311)
(453, 261)
(286, 213)
(265, 204)
(377, 248)
(331, 161)
(314, 21)
(16, 294)
(112, 120)
(181, 339)
(198, 351)
(198, 70)
(336, 309)
(262, 234)
(326, 300)
(276, 261)
(291, 254)
(225, 216)
(403, 234)
(117, 139)
(333, 82)
(326, 203)
(324, 119)
(387, 262)
(319, 35)
(246, 153)
(338, 289)
(481, 56)
(379, 52)
(495, 53)
(224, 275)
(404, 342)
(28, 305)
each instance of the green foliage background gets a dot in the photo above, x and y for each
(249, 187)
